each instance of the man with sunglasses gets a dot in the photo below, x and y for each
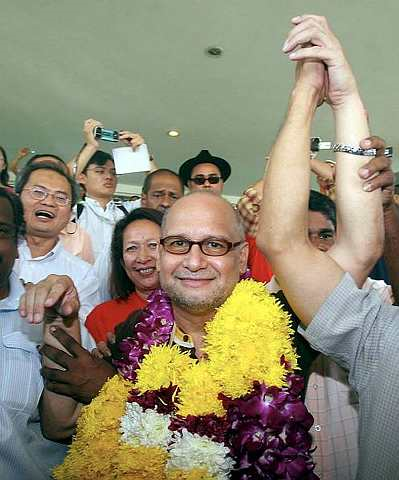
(205, 172)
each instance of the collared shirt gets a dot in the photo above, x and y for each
(335, 407)
(60, 262)
(99, 223)
(24, 452)
(361, 334)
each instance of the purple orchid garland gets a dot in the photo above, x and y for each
(154, 328)
(266, 430)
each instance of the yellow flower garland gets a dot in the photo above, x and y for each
(243, 343)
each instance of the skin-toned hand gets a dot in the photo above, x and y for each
(83, 376)
(88, 132)
(55, 292)
(22, 152)
(312, 40)
(102, 349)
(378, 171)
(131, 138)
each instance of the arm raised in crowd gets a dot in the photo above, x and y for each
(55, 302)
(307, 275)
(15, 162)
(91, 145)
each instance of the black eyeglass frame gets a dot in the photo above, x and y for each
(211, 179)
(229, 245)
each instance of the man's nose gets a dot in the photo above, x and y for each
(195, 260)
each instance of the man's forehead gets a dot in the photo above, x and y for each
(49, 179)
(205, 169)
(201, 216)
(165, 181)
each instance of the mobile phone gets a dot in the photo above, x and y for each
(106, 135)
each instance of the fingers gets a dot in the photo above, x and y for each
(132, 139)
(46, 294)
(88, 130)
(308, 29)
(96, 353)
(58, 356)
(374, 142)
(68, 342)
(384, 180)
(60, 388)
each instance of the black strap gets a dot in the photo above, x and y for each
(81, 206)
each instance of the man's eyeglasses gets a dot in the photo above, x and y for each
(214, 247)
(103, 171)
(7, 231)
(41, 193)
(201, 179)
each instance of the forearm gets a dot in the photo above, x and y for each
(391, 247)
(284, 208)
(83, 158)
(58, 413)
(13, 164)
(359, 213)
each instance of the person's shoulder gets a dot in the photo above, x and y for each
(104, 308)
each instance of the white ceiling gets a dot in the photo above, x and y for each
(141, 65)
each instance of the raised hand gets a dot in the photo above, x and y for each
(312, 40)
(131, 138)
(88, 132)
(56, 293)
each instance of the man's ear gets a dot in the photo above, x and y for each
(244, 258)
(144, 199)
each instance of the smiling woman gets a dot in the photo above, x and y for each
(134, 275)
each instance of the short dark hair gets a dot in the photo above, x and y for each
(26, 172)
(17, 208)
(41, 155)
(150, 176)
(323, 204)
(120, 284)
(100, 158)
(4, 176)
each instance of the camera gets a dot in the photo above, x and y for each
(106, 135)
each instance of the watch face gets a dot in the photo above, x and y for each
(314, 144)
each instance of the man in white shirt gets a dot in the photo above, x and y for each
(24, 452)
(48, 195)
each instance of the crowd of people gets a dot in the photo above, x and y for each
(78, 270)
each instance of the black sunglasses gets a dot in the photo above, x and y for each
(200, 180)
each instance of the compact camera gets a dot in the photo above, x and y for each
(106, 135)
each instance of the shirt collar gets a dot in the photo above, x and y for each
(91, 202)
(25, 253)
(16, 290)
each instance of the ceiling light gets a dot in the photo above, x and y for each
(173, 133)
(214, 51)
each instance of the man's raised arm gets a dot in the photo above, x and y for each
(306, 275)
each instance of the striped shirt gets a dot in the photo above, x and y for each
(361, 334)
(24, 453)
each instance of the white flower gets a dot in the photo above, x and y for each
(147, 428)
(193, 451)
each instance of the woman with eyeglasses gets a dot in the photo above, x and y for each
(134, 276)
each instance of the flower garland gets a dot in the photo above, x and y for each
(236, 414)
